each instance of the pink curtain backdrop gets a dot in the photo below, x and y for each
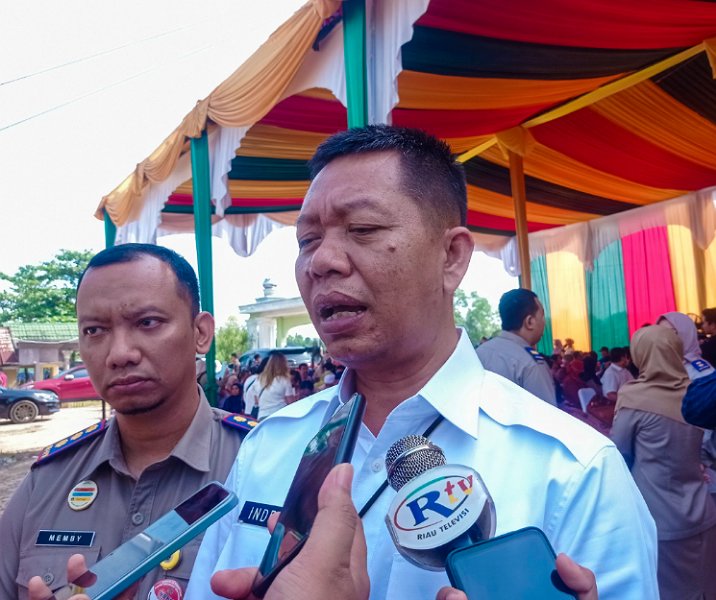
(647, 276)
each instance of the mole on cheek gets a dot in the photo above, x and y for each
(392, 248)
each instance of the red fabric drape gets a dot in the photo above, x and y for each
(596, 141)
(647, 276)
(637, 24)
(487, 221)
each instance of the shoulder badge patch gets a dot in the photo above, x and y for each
(241, 422)
(536, 356)
(700, 365)
(75, 439)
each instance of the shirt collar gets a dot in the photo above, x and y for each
(454, 390)
(518, 339)
(193, 448)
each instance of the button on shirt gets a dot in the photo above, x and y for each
(509, 355)
(614, 378)
(121, 509)
(542, 467)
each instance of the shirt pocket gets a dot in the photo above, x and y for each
(245, 546)
(408, 581)
(50, 563)
(181, 572)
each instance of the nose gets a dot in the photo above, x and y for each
(330, 257)
(123, 350)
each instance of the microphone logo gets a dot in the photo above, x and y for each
(437, 506)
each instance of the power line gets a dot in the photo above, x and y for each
(100, 90)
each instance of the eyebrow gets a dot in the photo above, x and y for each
(350, 205)
(132, 315)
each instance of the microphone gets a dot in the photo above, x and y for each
(438, 507)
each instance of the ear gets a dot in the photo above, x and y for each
(203, 331)
(458, 246)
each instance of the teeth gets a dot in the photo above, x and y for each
(342, 314)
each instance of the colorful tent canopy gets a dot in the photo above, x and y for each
(611, 105)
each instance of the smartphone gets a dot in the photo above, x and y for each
(332, 445)
(139, 555)
(515, 566)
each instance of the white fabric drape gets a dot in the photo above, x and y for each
(389, 26)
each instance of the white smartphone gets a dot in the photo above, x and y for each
(136, 557)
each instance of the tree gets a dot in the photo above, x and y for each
(475, 314)
(45, 291)
(232, 337)
(296, 339)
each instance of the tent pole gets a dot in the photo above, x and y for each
(110, 230)
(201, 187)
(519, 197)
(354, 55)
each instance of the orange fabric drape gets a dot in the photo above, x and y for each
(544, 163)
(244, 188)
(449, 92)
(482, 200)
(242, 99)
(651, 113)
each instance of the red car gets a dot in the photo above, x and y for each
(69, 385)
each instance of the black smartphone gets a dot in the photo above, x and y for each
(515, 566)
(139, 555)
(332, 445)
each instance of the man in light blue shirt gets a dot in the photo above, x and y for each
(383, 248)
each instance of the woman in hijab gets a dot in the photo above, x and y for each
(662, 452)
(694, 363)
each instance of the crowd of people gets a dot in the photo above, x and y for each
(383, 246)
(634, 394)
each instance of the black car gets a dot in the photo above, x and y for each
(23, 406)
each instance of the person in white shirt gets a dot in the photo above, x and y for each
(272, 389)
(616, 374)
(382, 248)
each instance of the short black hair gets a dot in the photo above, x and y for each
(187, 283)
(515, 306)
(616, 354)
(709, 314)
(430, 173)
(604, 349)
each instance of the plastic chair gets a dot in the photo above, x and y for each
(585, 397)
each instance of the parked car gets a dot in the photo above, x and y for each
(294, 354)
(73, 384)
(24, 406)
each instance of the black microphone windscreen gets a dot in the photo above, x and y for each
(409, 457)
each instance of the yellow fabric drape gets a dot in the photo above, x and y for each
(268, 141)
(517, 140)
(257, 189)
(450, 92)
(649, 112)
(684, 271)
(486, 201)
(544, 163)
(242, 99)
(710, 274)
(568, 299)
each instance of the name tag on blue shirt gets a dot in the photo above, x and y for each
(255, 513)
(46, 537)
(699, 365)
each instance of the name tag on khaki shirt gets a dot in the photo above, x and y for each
(51, 537)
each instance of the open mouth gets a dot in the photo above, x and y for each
(339, 311)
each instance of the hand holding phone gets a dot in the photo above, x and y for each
(139, 555)
(332, 445)
(515, 566)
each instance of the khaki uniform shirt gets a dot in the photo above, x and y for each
(121, 509)
(509, 355)
(664, 459)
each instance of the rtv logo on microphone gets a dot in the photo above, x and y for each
(442, 503)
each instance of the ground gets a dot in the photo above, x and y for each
(20, 444)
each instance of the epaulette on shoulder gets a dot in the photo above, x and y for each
(72, 441)
(241, 422)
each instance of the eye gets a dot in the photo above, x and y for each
(91, 331)
(306, 241)
(363, 229)
(149, 322)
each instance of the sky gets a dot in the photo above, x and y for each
(89, 88)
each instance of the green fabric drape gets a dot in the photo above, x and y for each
(606, 297)
(540, 287)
